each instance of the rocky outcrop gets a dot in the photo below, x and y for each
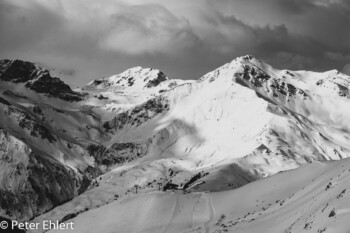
(118, 153)
(32, 183)
(135, 78)
(37, 79)
(3, 101)
(29, 123)
(54, 87)
(17, 71)
(256, 78)
(139, 114)
(161, 77)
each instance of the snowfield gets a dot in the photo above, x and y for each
(299, 200)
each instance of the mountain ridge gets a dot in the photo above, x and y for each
(239, 123)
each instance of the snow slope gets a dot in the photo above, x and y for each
(312, 198)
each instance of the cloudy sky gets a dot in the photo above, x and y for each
(89, 39)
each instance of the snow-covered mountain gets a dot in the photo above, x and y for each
(133, 86)
(75, 154)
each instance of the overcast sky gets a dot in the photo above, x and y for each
(89, 39)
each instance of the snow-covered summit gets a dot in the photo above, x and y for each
(135, 78)
(131, 87)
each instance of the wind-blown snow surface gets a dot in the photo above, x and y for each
(313, 198)
(141, 132)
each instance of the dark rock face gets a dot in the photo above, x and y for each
(45, 185)
(54, 87)
(342, 90)
(156, 105)
(90, 173)
(5, 102)
(155, 82)
(286, 89)
(17, 71)
(257, 78)
(98, 152)
(131, 81)
(138, 114)
(339, 84)
(29, 123)
(194, 179)
(118, 153)
(38, 80)
(97, 82)
(170, 186)
(33, 183)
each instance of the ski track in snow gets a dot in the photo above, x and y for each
(193, 211)
(175, 210)
(210, 209)
(212, 212)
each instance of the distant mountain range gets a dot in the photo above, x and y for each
(177, 151)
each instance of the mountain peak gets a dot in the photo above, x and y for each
(17, 71)
(36, 78)
(247, 57)
(250, 60)
(136, 77)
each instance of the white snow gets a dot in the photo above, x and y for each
(293, 201)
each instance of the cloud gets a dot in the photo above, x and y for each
(183, 38)
(24, 26)
(336, 56)
(148, 29)
(346, 69)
